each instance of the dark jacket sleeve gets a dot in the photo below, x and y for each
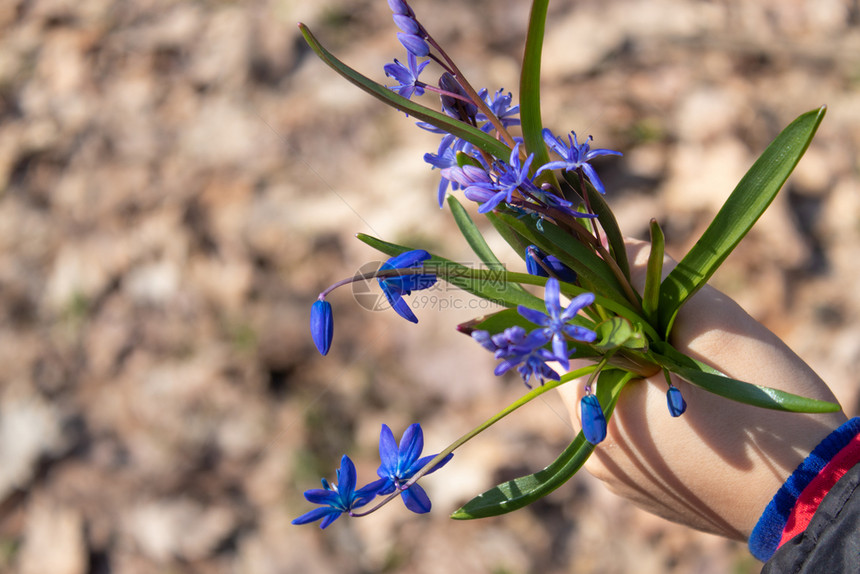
(831, 542)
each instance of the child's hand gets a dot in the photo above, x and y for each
(717, 466)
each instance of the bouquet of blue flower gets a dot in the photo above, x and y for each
(541, 193)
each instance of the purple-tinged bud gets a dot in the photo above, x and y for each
(479, 194)
(414, 44)
(593, 421)
(468, 175)
(676, 402)
(407, 24)
(322, 325)
(457, 108)
(399, 7)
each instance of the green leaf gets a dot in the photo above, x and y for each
(474, 237)
(607, 221)
(522, 491)
(517, 242)
(617, 332)
(745, 205)
(592, 272)
(654, 274)
(715, 382)
(460, 129)
(530, 115)
(755, 395)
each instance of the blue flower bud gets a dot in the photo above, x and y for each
(677, 404)
(532, 265)
(322, 325)
(407, 24)
(414, 44)
(593, 421)
(560, 270)
(399, 7)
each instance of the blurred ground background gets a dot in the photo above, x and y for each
(178, 180)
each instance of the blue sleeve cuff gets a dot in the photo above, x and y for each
(768, 531)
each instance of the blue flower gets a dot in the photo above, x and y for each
(338, 498)
(513, 175)
(407, 76)
(534, 258)
(532, 363)
(500, 105)
(513, 340)
(555, 323)
(399, 464)
(395, 287)
(676, 402)
(518, 349)
(574, 156)
(593, 420)
(322, 325)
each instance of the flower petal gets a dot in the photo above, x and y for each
(580, 333)
(325, 512)
(346, 478)
(416, 499)
(493, 202)
(399, 304)
(388, 452)
(600, 152)
(576, 305)
(559, 349)
(368, 492)
(411, 445)
(551, 295)
(593, 178)
(533, 315)
(322, 496)
(406, 259)
(329, 519)
(422, 462)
